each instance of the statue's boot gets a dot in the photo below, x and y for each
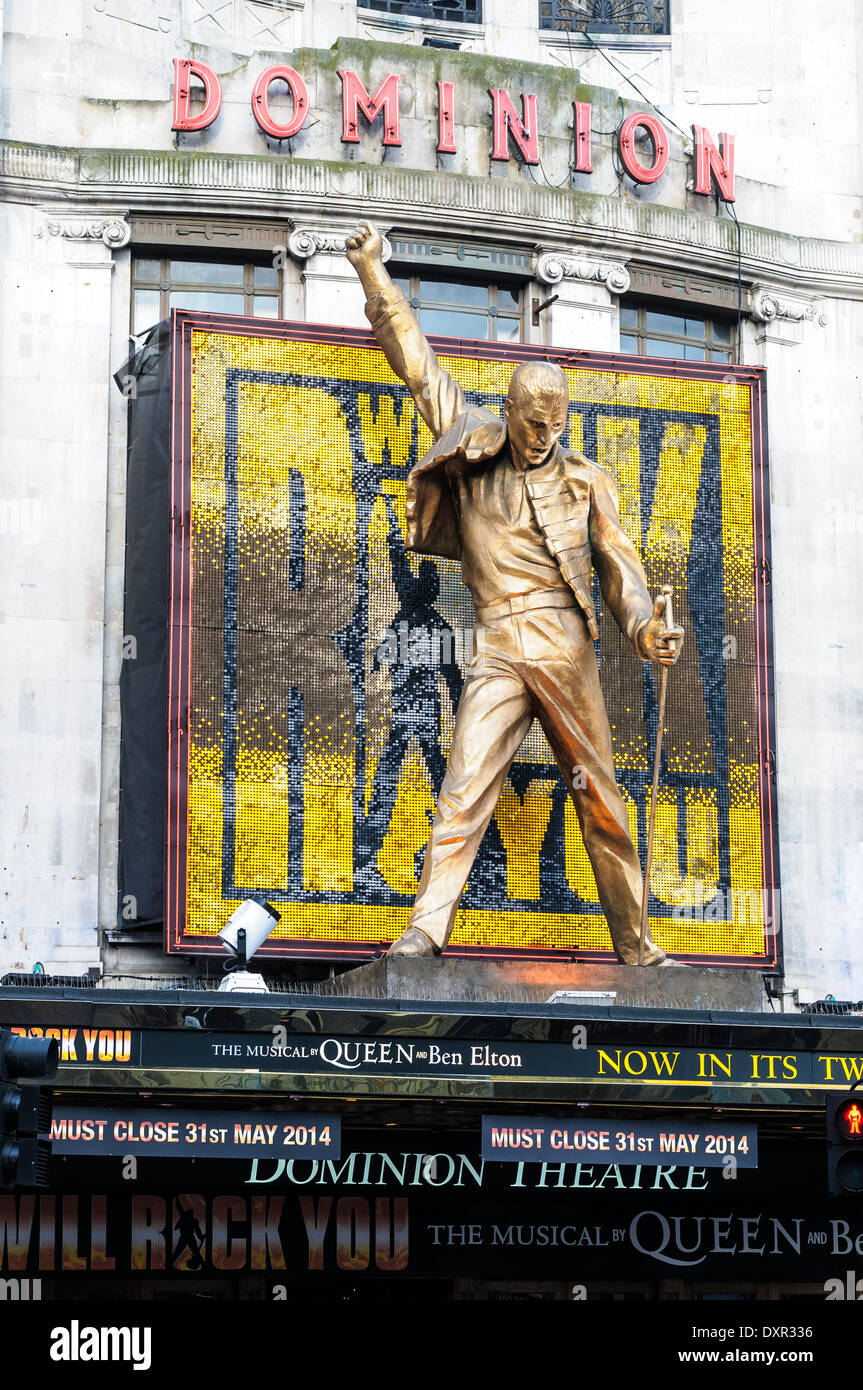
(414, 944)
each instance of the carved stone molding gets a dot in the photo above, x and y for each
(246, 26)
(310, 241)
(766, 305)
(114, 231)
(554, 266)
(252, 187)
(142, 14)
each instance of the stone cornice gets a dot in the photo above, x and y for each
(554, 266)
(767, 303)
(506, 208)
(111, 229)
(311, 241)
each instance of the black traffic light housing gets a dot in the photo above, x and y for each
(25, 1110)
(845, 1145)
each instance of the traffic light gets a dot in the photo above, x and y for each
(25, 1110)
(845, 1145)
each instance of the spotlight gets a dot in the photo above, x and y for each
(246, 929)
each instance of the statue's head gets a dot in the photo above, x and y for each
(535, 409)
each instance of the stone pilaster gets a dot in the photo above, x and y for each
(588, 287)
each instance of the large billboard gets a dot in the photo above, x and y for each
(315, 664)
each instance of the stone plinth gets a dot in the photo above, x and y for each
(534, 982)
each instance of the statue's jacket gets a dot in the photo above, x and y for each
(574, 505)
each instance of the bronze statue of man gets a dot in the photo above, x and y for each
(528, 521)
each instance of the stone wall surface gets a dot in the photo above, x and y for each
(54, 364)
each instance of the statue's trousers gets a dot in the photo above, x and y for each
(535, 663)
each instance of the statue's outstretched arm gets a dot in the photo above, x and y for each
(438, 398)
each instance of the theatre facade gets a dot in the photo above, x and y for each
(229, 677)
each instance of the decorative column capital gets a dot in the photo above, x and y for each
(767, 304)
(305, 242)
(554, 266)
(111, 229)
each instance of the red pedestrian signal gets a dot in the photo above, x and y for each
(849, 1119)
(845, 1145)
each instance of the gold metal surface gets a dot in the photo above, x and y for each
(654, 795)
(529, 521)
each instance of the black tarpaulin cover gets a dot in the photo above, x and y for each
(146, 379)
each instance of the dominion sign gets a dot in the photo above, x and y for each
(316, 664)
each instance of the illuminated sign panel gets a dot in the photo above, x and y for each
(315, 664)
(688, 1075)
(533, 1139)
(160, 1132)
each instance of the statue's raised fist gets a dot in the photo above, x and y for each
(364, 245)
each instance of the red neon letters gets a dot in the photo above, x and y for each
(710, 164)
(626, 137)
(184, 71)
(355, 99)
(505, 122)
(581, 130)
(445, 118)
(261, 103)
(714, 167)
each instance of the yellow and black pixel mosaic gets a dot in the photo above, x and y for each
(326, 661)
